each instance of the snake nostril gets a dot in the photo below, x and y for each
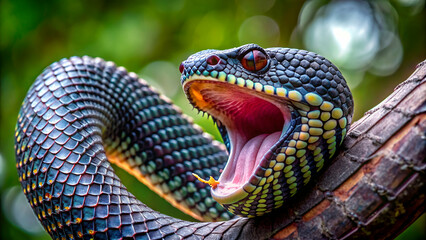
(213, 60)
(181, 68)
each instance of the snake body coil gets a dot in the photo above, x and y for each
(290, 108)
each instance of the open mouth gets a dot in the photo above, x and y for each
(255, 125)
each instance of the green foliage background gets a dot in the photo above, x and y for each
(151, 38)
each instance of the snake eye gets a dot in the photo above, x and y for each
(254, 60)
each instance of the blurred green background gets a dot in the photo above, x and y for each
(376, 44)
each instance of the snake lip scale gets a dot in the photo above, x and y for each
(281, 113)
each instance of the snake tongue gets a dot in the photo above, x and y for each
(244, 161)
(252, 125)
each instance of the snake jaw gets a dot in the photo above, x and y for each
(251, 124)
(306, 107)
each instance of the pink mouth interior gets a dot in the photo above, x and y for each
(254, 126)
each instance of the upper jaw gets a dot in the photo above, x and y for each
(255, 123)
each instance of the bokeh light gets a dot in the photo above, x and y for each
(255, 7)
(2, 169)
(16, 208)
(261, 30)
(345, 31)
(358, 36)
(213, 36)
(160, 74)
(169, 6)
(415, 5)
(389, 56)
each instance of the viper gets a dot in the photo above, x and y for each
(281, 113)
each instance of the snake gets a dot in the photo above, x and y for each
(281, 112)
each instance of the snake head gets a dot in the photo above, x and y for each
(281, 112)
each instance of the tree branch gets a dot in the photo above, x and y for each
(374, 188)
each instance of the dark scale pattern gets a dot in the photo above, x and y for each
(315, 74)
(321, 109)
(75, 108)
(293, 68)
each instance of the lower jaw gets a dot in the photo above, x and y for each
(239, 170)
(253, 114)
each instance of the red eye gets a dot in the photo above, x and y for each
(254, 60)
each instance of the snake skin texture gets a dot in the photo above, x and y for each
(81, 114)
(75, 108)
(321, 108)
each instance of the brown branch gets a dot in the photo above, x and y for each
(375, 186)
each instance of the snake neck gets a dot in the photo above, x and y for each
(81, 112)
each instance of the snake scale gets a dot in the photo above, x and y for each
(281, 113)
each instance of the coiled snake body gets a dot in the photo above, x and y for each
(281, 112)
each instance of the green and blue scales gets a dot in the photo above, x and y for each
(81, 110)
(321, 105)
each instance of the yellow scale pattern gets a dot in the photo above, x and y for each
(319, 119)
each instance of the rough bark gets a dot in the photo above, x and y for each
(374, 188)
